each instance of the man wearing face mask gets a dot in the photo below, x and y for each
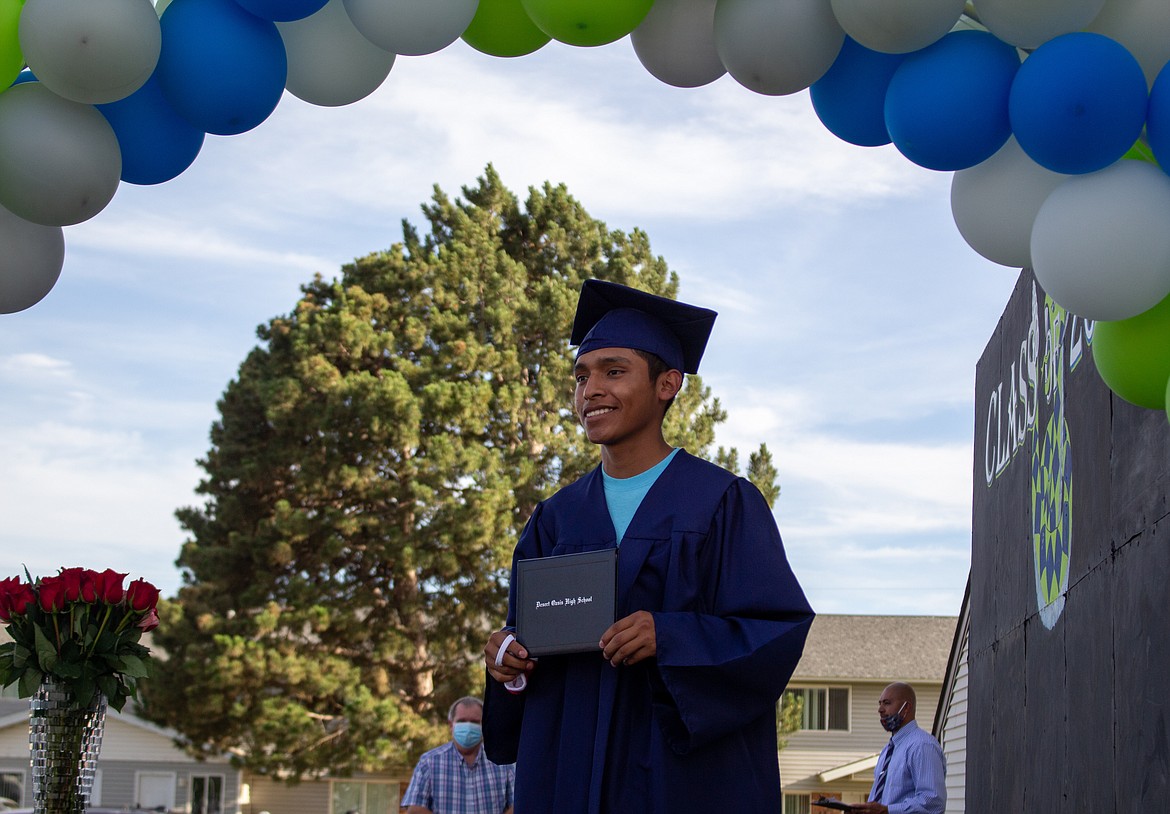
(910, 776)
(457, 778)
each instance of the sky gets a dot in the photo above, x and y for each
(852, 313)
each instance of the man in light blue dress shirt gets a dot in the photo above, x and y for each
(910, 776)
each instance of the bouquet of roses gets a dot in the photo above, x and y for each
(81, 628)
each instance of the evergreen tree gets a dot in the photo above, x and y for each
(371, 468)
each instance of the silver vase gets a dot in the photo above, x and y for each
(64, 741)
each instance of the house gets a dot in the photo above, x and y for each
(139, 766)
(365, 793)
(847, 662)
(950, 722)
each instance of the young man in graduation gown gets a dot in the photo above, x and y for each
(675, 710)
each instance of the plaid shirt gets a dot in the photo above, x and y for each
(444, 783)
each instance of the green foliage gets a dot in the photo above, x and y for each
(789, 713)
(761, 471)
(372, 466)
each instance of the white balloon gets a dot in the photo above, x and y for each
(1029, 23)
(676, 43)
(59, 160)
(329, 62)
(777, 48)
(995, 203)
(1143, 27)
(897, 26)
(92, 51)
(1100, 245)
(30, 263)
(411, 27)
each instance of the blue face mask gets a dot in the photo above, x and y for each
(892, 723)
(468, 734)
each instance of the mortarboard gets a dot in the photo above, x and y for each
(616, 316)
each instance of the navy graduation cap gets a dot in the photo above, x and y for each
(617, 316)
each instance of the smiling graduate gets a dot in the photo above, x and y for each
(676, 709)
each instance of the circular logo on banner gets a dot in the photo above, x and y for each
(1052, 484)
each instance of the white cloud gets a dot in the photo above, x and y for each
(27, 366)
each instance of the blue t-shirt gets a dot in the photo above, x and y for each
(623, 496)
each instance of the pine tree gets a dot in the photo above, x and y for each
(371, 468)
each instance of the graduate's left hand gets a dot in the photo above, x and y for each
(630, 640)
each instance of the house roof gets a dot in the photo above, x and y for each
(877, 648)
(846, 769)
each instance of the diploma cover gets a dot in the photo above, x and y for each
(564, 603)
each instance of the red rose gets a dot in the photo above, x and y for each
(70, 579)
(88, 586)
(141, 595)
(108, 585)
(149, 622)
(51, 594)
(21, 598)
(8, 589)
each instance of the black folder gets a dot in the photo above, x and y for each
(564, 603)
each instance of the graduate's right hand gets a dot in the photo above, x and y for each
(514, 662)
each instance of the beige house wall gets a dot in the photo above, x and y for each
(312, 796)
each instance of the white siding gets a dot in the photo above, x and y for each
(125, 741)
(954, 737)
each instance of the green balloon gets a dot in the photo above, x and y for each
(11, 59)
(1133, 356)
(587, 22)
(1141, 151)
(502, 28)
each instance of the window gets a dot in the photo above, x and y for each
(11, 789)
(825, 709)
(797, 803)
(364, 798)
(206, 794)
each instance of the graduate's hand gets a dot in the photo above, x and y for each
(515, 659)
(630, 640)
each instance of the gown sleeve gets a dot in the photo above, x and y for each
(726, 664)
(503, 711)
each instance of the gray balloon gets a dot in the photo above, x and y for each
(59, 160)
(411, 27)
(330, 63)
(676, 43)
(30, 263)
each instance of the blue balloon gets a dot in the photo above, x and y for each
(24, 76)
(1158, 118)
(850, 98)
(222, 68)
(1078, 103)
(157, 143)
(947, 105)
(282, 11)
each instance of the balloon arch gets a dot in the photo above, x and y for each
(1053, 115)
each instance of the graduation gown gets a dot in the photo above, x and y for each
(692, 729)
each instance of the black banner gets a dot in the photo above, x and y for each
(1068, 654)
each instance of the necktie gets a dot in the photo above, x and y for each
(880, 786)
